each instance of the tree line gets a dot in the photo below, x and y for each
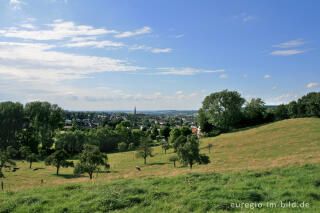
(227, 110)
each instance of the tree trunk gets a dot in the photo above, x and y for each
(58, 167)
(30, 164)
(190, 165)
(90, 174)
(165, 151)
(145, 161)
(174, 164)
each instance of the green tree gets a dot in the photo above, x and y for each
(189, 152)
(223, 109)
(174, 159)
(59, 159)
(131, 146)
(90, 160)
(122, 146)
(281, 112)
(145, 148)
(70, 141)
(6, 159)
(293, 109)
(154, 133)
(203, 121)
(165, 132)
(28, 155)
(309, 105)
(45, 119)
(11, 123)
(165, 146)
(255, 111)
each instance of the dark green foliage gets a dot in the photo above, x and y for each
(174, 159)
(145, 148)
(11, 123)
(90, 160)
(281, 112)
(223, 109)
(203, 122)
(26, 153)
(165, 132)
(122, 146)
(6, 159)
(189, 152)
(59, 159)
(70, 141)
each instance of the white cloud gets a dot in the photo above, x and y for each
(28, 26)
(184, 71)
(165, 50)
(15, 4)
(178, 36)
(96, 44)
(36, 61)
(267, 76)
(244, 17)
(223, 76)
(285, 98)
(179, 92)
(57, 31)
(141, 31)
(287, 52)
(312, 85)
(290, 44)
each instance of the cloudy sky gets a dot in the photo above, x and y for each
(159, 54)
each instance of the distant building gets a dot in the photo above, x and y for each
(135, 110)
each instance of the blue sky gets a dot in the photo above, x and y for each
(159, 54)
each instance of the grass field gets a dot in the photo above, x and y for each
(280, 144)
(266, 190)
(265, 165)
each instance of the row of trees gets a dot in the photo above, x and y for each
(226, 110)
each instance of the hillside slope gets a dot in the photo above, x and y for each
(283, 143)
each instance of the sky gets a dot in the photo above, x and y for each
(157, 54)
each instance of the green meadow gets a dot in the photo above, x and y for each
(265, 165)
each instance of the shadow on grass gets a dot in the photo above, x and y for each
(151, 164)
(67, 176)
(107, 172)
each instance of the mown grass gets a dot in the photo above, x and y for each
(197, 192)
(279, 144)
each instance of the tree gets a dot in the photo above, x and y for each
(154, 133)
(11, 123)
(165, 146)
(145, 149)
(292, 108)
(255, 111)
(44, 119)
(5, 160)
(165, 132)
(203, 121)
(189, 152)
(223, 109)
(174, 159)
(281, 112)
(131, 146)
(90, 160)
(59, 159)
(70, 141)
(122, 146)
(309, 105)
(28, 155)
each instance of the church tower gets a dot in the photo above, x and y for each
(135, 110)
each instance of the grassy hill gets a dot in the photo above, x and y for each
(279, 144)
(269, 164)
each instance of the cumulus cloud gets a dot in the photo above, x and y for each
(267, 76)
(312, 85)
(38, 61)
(141, 31)
(57, 30)
(185, 71)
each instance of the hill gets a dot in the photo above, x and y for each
(279, 144)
